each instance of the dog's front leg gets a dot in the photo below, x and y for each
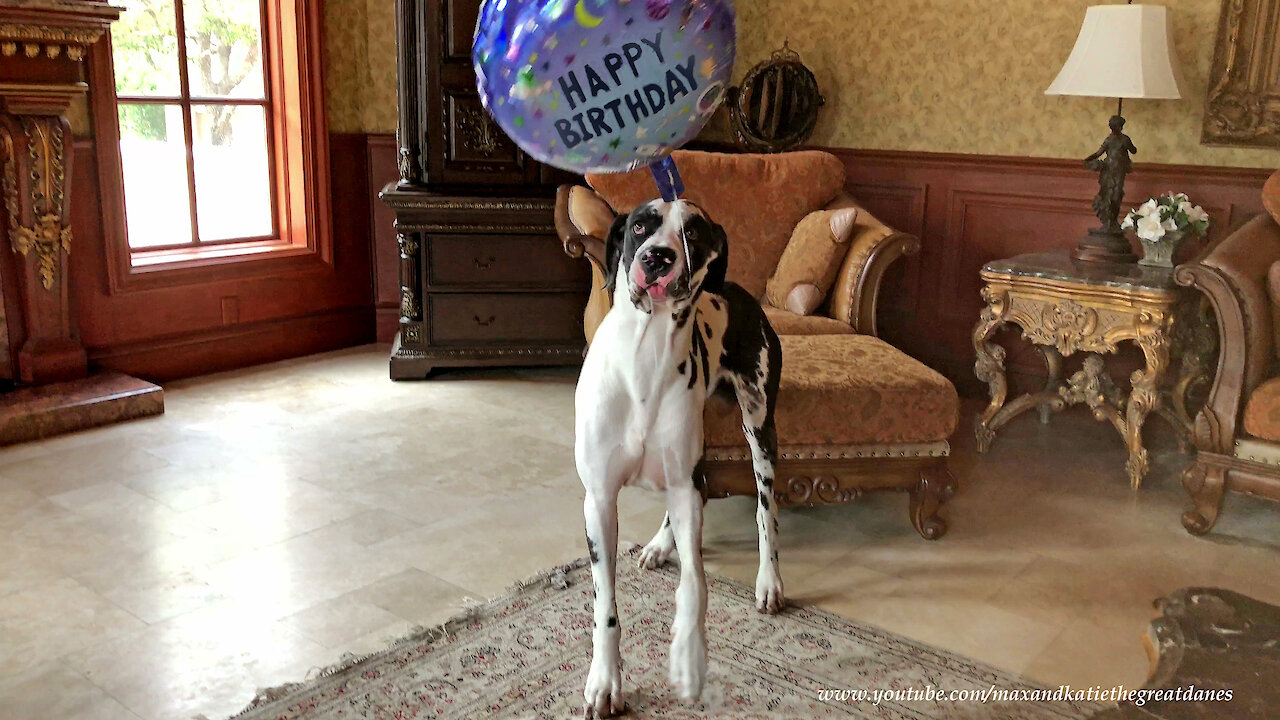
(757, 424)
(604, 681)
(689, 631)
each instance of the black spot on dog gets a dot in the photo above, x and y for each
(680, 367)
(613, 621)
(707, 327)
(591, 550)
(764, 500)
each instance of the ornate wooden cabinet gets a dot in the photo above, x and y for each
(483, 280)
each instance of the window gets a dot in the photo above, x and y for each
(211, 142)
(196, 135)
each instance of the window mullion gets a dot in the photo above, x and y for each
(184, 83)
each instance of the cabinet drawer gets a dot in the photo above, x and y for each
(515, 318)
(515, 261)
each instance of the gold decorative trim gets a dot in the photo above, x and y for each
(52, 40)
(471, 228)
(480, 352)
(49, 34)
(1241, 108)
(838, 452)
(47, 236)
(421, 203)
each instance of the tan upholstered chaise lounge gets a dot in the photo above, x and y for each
(854, 413)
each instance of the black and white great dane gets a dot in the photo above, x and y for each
(676, 334)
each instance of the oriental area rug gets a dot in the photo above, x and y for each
(526, 655)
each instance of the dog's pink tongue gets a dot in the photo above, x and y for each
(657, 292)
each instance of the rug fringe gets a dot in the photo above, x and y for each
(472, 609)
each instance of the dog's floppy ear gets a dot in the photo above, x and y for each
(718, 268)
(613, 251)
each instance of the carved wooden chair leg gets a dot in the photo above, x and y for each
(1205, 484)
(937, 485)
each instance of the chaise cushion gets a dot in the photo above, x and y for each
(1262, 412)
(848, 390)
(758, 199)
(785, 322)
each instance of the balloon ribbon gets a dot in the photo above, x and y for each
(670, 186)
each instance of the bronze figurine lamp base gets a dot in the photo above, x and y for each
(1107, 243)
(1106, 63)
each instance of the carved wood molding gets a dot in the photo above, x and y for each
(1242, 106)
(41, 194)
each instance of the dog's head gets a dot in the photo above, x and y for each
(647, 250)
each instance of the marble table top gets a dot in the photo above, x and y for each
(1059, 265)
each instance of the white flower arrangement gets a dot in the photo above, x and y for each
(1170, 212)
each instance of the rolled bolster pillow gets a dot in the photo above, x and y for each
(809, 265)
(589, 213)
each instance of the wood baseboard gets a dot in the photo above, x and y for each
(227, 348)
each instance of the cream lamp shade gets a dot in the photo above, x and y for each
(1123, 51)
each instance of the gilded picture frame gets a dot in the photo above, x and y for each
(1242, 106)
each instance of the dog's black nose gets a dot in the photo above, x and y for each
(657, 260)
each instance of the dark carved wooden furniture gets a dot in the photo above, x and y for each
(1233, 276)
(479, 283)
(1215, 655)
(1242, 106)
(1063, 307)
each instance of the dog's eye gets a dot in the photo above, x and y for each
(638, 228)
(690, 234)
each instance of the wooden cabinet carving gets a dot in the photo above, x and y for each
(483, 278)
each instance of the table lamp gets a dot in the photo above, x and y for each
(1123, 51)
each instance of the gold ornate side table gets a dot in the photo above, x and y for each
(1064, 306)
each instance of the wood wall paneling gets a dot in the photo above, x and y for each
(271, 312)
(381, 152)
(969, 210)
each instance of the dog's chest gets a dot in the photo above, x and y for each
(642, 393)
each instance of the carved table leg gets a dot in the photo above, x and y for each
(989, 366)
(1052, 361)
(1145, 396)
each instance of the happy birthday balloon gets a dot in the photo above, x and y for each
(603, 85)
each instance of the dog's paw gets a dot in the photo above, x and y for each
(769, 597)
(656, 553)
(688, 672)
(604, 689)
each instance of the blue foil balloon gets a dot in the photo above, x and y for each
(603, 85)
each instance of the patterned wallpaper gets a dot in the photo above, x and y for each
(965, 76)
(360, 65)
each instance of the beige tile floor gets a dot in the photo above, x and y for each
(278, 517)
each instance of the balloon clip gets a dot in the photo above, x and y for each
(667, 177)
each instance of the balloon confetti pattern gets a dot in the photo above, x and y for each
(603, 85)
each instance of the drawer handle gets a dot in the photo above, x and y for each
(483, 323)
(485, 264)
